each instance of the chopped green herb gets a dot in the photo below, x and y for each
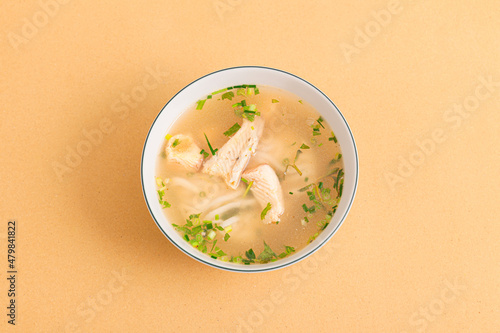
(300, 101)
(304, 146)
(210, 146)
(275, 101)
(216, 217)
(332, 138)
(244, 180)
(219, 91)
(233, 129)
(294, 164)
(209, 97)
(313, 237)
(204, 153)
(200, 104)
(290, 192)
(267, 254)
(304, 206)
(250, 254)
(320, 121)
(229, 95)
(176, 143)
(226, 237)
(264, 212)
(248, 188)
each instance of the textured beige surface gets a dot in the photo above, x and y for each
(420, 248)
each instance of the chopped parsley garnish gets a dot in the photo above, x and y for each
(267, 254)
(288, 250)
(275, 101)
(300, 101)
(304, 146)
(264, 212)
(176, 143)
(233, 129)
(210, 146)
(250, 254)
(226, 237)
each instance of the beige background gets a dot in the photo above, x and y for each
(417, 253)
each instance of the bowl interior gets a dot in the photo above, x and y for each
(236, 76)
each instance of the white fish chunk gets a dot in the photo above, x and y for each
(186, 152)
(232, 159)
(266, 188)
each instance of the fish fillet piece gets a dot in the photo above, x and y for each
(232, 159)
(266, 188)
(186, 152)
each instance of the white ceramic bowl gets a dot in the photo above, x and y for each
(237, 76)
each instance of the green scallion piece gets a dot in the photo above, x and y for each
(264, 212)
(233, 129)
(320, 120)
(176, 143)
(204, 153)
(274, 101)
(200, 104)
(248, 188)
(304, 146)
(219, 91)
(210, 146)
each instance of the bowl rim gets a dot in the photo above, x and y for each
(249, 269)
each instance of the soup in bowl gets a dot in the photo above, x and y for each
(249, 169)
